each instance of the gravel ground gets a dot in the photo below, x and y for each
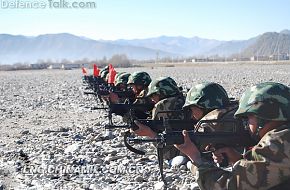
(50, 136)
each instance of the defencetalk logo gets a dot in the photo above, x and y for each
(48, 4)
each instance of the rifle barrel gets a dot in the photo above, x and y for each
(140, 140)
(117, 126)
(99, 108)
(88, 93)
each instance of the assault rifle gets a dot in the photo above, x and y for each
(100, 89)
(237, 137)
(122, 109)
(126, 93)
(94, 84)
(156, 126)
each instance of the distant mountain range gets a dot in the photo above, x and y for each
(177, 45)
(67, 46)
(270, 43)
(64, 46)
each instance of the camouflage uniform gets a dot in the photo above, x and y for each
(143, 79)
(267, 164)
(212, 98)
(171, 103)
(140, 113)
(121, 78)
(142, 99)
(222, 115)
(171, 99)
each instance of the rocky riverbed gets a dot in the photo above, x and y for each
(51, 139)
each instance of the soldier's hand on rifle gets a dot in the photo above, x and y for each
(114, 97)
(232, 154)
(144, 130)
(189, 148)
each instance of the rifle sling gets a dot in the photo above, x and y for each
(126, 135)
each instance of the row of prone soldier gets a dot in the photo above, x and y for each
(226, 143)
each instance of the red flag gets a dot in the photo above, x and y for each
(110, 67)
(96, 71)
(112, 74)
(84, 71)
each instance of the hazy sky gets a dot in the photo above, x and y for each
(128, 19)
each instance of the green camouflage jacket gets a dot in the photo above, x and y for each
(221, 115)
(141, 99)
(265, 166)
(172, 103)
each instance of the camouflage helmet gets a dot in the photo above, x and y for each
(117, 75)
(164, 86)
(104, 74)
(139, 78)
(105, 69)
(207, 95)
(121, 78)
(268, 101)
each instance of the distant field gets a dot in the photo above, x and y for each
(193, 64)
